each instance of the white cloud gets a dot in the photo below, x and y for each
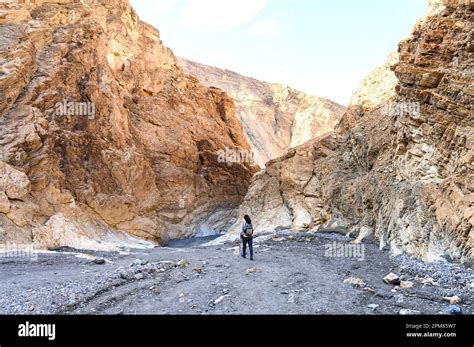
(220, 15)
(264, 26)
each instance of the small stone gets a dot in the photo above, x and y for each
(373, 307)
(406, 284)
(408, 312)
(453, 300)
(99, 261)
(355, 282)
(183, 263)
(139, 276)
(428, 281)
(139, 262)
(453, 309)
(220, 299)
(198, 270)
(251, 270)
(391, 278)
(399, 298)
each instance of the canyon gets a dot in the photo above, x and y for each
(130, 199)
(115, 193)
(275, 117)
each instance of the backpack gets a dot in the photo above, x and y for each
(248, 230)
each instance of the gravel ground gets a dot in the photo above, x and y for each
(290, 275)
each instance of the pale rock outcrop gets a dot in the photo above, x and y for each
(62, 231)
(275, 117)
(378, 86)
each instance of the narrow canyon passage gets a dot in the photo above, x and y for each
(115, 153)
(292, 274)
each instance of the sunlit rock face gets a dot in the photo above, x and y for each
(399, 167)
(102, 135)
(275, 117)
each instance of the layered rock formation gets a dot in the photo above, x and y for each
(399, 168)
(275, 117)
(101, 131)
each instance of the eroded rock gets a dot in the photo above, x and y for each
(399, 165)
(101, 131)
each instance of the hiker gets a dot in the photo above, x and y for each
(246, 236)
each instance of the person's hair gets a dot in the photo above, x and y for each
(247, 219)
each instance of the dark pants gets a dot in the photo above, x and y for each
(247, 241)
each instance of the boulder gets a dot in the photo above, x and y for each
(406, 284)
(392, 278)
(453, 300)
(355, 282)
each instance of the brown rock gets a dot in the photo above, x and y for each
(14, 183)
(4, 203)
(98, 116)
(392, 278)
(406, 284)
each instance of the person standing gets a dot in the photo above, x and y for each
(246, 235)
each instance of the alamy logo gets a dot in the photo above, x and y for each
(14, 250)
(401, 109)
(37, 330)
(71, 108)
(234, 156)
(345, 250)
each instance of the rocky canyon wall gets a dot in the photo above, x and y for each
(275, 117)
(103, 136)
(399, 167)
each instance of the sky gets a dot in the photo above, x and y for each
(321, 47)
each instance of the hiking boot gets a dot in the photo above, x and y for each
(243, 256)
(251, 258)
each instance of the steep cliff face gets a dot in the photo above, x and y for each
(101, 131)
(275, 117)
(399, 168)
